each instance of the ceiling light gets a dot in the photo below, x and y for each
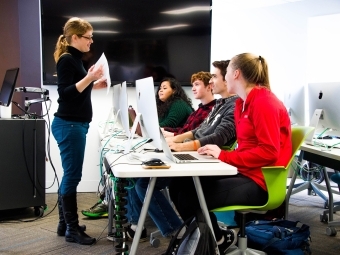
(98, 19)
(105, 32)
(188, 10)
(168, 27)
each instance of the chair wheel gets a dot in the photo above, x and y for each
(331, 231)
(38, 211)
(323, 217)
(155, 242)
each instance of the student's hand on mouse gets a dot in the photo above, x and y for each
(210, 149)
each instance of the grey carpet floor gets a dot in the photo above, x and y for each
(22, 233)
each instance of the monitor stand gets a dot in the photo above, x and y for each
(110, 123)
(132, 134)
(314, 123)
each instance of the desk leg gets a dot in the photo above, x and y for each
(142, 216)
(203, 204)
(330, 195)
(291, 185)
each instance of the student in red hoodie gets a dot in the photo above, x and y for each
(264, 139)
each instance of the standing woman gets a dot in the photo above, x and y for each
(71, 122)
(173, 104)
(263, 134)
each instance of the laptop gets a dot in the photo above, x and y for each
(187, 157)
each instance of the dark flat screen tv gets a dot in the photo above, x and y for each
(140, 38)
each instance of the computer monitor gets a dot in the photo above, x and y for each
(115, 99)
(294, 100)
(8, 86)
(123, 115)
(146, 107)
(111, 120)
(325, 96)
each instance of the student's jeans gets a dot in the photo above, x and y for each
(71, 139)
(160, 210)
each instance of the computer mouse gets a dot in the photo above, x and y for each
(325, 137)
(153, 162)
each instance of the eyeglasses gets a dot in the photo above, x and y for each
(87, 37)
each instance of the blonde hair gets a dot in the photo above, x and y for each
(74, 26)
(253, 68)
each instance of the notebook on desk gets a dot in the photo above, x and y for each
(187, 157)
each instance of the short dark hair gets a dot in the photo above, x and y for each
(222, 65)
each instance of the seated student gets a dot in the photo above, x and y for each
(174, 107)
(218, 128)
(264, 139)
(220, 121)
(202, 90)
(160, 209)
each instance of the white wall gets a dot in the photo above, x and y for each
(323, 49)
(278, 33)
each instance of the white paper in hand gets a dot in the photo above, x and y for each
(103, 61)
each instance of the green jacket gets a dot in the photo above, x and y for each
(177, 115)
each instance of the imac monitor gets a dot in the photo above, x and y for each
(124, 109)
(325, 96)
(115, 99)
(146, 106)
(8, 86)
(114, 110)
(294, 100)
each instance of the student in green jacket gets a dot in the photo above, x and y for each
(173, 105)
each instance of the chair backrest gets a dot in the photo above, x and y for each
(229, 147)
(276, 176)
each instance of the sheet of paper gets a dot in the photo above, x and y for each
(103, 61)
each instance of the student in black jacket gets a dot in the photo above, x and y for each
(71, 121)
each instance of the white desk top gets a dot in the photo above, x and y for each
(334, 153)
(134, 168)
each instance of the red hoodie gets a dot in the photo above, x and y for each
(263, 132)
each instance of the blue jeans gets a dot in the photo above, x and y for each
(71, 139)
(160, 210)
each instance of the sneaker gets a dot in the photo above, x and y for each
(131, 233)
(96, 211)
(230, 239)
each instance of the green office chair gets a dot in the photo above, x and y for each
(275, 178)
(229, 147)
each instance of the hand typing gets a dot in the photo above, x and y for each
(210, 149)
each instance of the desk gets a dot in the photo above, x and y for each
(329, 159)
(195, 170)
